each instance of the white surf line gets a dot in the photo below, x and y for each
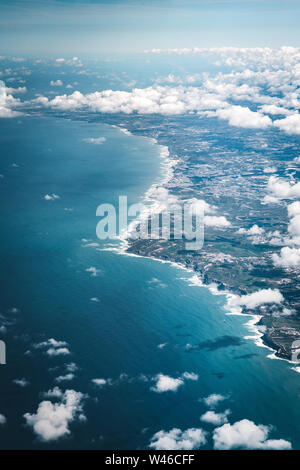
(151, 203)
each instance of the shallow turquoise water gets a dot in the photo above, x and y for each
(142, 303)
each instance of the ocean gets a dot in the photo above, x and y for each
(123, 319)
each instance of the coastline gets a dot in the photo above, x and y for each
(167, 171)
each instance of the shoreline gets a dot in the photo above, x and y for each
(168, 163)
(167, 171)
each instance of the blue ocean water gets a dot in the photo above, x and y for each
(138, 304)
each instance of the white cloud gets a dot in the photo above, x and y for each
(58, 351)
(7, 102)
(190, 376)
(271, 86)
(95, 140)
(282, 189)
(261, 297)
(51, 197)
(56, 83)
(215, 418)
(288, 258)
(165, 383)
(99, 382)
(71, 367)
(51, 342)
(155, 99)
(2, 419)
(214, 399)
(65, 378)
(176, 439)
(16, 90)
(21, 382)
(55, 348)
(51, 421)
(94, 271)
(216, 221)
(74, 61)
(254, 230)
(271, 59)
(294, 209)
(294, 225)
(273, 109)
(53, 393)
(199, 205)
(245, 434)
(290, 125)
(241, 116)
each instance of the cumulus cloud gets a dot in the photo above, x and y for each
(294, 225)
(288, 258)
(52, 420)
(261, 297)
(95, 140)
(279, 188)
(294, 209)
(213, 97)
(51, 197)
(7, 103)
(214, 399)
(165, 383)
(20, 89)
(245, 434)
(265, 60)
(243, 117)
(65, 378)
(55, 392)
(54, 347)
(74, 61)
(21, 382)
(71, 367)
(151, 100)
(214, 418)
(200, 206)
(254, 230)
(273, 109)
(290, 125)
(216, 221)
(99, 382)
(56, 83)
(176, 439)
(51, 342)
(58, 351)
(190, 376)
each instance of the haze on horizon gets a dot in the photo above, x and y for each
(71, 27)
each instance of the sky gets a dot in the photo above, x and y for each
(91, 27)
